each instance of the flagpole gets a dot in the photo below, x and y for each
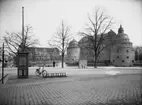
(23, 42)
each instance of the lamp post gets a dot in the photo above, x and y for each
(3, 64)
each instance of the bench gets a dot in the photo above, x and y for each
(55, 75)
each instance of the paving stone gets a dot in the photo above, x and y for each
(78, 91)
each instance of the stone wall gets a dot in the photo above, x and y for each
(122, 56)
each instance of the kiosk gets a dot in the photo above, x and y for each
(22, 65)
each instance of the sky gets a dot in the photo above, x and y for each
(45, 16)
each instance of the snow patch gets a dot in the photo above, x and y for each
(112, 72)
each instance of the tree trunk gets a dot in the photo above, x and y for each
(95, 63)
(62, 59)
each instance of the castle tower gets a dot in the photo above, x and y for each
(122, 53)
(73, 52)
(120, 30)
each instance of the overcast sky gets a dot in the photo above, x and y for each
(45, 16)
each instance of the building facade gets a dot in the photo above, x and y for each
(40, 56)
(120, 51)
(138, 54)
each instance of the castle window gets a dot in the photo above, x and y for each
(117, 50)
(127, 57)
(122, 60)
(113, 60)
(133, 61)
(127, 51)
(117, 56)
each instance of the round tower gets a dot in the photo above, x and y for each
(122, 53)
(73, 52)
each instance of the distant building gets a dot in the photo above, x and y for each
(138, 54)
(47, 56)
(120, 53)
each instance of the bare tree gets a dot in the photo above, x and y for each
(99, 23)
(13, 40)
(61, 40)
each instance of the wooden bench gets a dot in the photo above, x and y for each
(55, 75)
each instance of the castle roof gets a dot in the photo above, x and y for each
(121, 35)
(73, 43)
(111, 33)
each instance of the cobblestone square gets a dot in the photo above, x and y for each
(124, 89)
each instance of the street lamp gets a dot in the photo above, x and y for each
(3, 64)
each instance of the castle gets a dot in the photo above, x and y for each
(120, 53)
